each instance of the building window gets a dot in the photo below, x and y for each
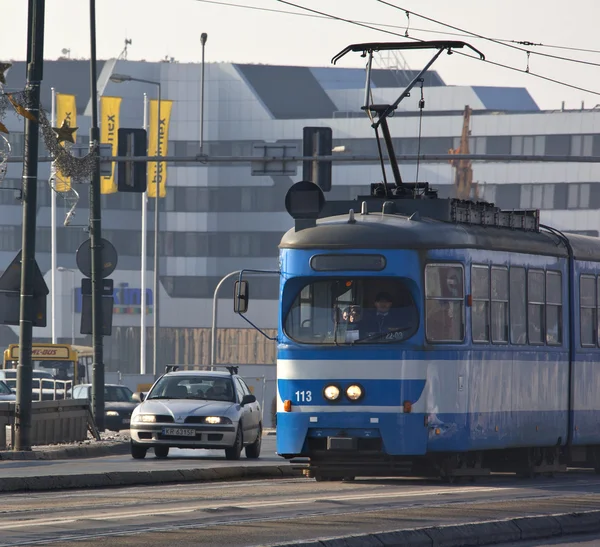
(536, 299)
(480, 314)
(578, 196)
(587, 310)
(582, 145)
(557, 145)
(444, 305)
(518, 306)
(537, 196)
(498, 145)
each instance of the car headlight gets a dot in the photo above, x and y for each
(331, 393)
(217, 420)
(112, 413)
(354, 392)
(147, 418)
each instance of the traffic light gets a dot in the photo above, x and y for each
(132, 175)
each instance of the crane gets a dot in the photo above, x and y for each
(463, 177)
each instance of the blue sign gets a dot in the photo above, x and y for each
(127, 300)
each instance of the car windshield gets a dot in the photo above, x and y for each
(211, 388)
(118, 394)
(348, 311)
(4, 389)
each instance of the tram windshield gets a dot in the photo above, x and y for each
(370, 310)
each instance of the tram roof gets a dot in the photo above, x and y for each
(394, 231)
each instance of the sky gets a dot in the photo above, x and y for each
(162, 29)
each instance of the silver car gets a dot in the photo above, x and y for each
(197, 409)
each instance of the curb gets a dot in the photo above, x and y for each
(81, 451)
(480, 533)
(131, 478)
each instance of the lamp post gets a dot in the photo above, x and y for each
(72, 272)
(203, 38)
(120, 78)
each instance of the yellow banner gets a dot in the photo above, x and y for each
(158, 176)
(110, 108)
(66, 110)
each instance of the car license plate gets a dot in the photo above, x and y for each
(179, 432)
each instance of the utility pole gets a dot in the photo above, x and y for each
(96, 241)
(35, 60)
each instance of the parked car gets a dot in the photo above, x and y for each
(118, 404)
(197, 409)
(5, 393)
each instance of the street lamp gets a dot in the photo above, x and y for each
(118, 79)
(203, 38)
(62, 269)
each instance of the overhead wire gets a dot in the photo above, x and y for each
(495, 41)
(387, 25)
(540, 76)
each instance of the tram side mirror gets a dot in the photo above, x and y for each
(240, 297)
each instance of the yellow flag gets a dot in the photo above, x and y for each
(110, 108)
(158, 176)
(66, 110)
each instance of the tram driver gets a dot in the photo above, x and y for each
(385, 318)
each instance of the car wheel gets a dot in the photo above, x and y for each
(235, 451)
(253, 450)
(161, 451)
(138, 452)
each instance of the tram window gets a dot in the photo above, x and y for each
(499, 305)
(587, 310)
(444, 303)
(480, 311)
(345, 311)
(536, 299)
(518, 306)
(553, 308)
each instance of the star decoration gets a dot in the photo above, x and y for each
(3, 70)
(20, 109)
(64, 132)
(3, 128)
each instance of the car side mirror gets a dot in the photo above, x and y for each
(246, 399)
(138, 397)
(240, 297)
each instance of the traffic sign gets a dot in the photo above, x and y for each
(10, 294)
(109, 258)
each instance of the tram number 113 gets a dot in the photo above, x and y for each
(303, 396)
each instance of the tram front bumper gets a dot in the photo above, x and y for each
(399, 434)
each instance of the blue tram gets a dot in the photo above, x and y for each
(433, 336)
(491, 360)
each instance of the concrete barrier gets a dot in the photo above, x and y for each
(52, 422)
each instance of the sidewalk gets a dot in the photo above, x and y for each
(93, 464)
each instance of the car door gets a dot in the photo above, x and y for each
(255, 408)
(247, 414)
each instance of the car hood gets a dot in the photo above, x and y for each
(7, 397)
(184, 407)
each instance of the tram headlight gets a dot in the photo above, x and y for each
(354, 392)
(331, 393)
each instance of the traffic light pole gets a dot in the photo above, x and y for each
(35, 59)
(96, 242)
